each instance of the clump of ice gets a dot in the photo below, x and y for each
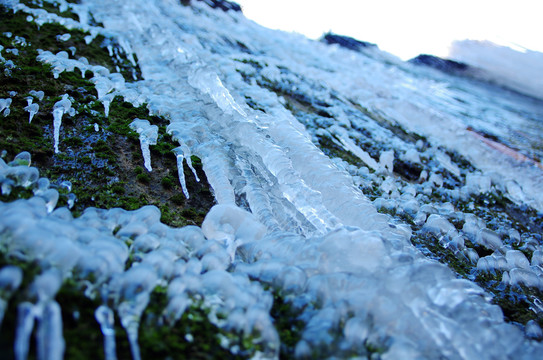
(64, 37)
(91, 249)
(232, 226)
(39, 94)
(4, 106)
(32, 109)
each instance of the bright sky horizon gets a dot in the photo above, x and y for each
(407, 28)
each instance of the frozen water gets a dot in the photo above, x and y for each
(232, 226)
(10, 279)
(63, 37)
(287, 214)
(32, 110)
(148, 136)
(105, 318)
(38, 94)
(60, 108)
(106, 101)
(23, 158)
(179, 154)
(4, 106)
(26, 314)
(50, 342)
(208, 82)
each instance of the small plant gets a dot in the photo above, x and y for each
(143, 178)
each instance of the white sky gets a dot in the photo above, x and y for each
(407, 28)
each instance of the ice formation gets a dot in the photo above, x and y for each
(179, 155)
(148, 136)
(60, 108)
(287, 215)
(39, 94)
(4, 106)
(32, 110)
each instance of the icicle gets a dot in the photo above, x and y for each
(208, 82)
(59, 109)
(102, 84)
(32, 109)
(189, 163)
(50, 341)
(4, 106)
(26, 313)
(104, 316)
(181, 174)
(106, 101)
(135, 290)
(10, 280)
(3, 306)
(148, 136)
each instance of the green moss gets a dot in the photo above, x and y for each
(17, 192)
(287, 324)
(331, 149)
(81, 331)
(178, 199)
(167, 182)
(73, 141)
(44, 37)
(143, 178)
(118, 189)
(7, 335)
(159, 341)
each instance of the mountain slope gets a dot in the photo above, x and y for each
(359, 209)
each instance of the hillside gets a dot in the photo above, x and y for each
(180, 182)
